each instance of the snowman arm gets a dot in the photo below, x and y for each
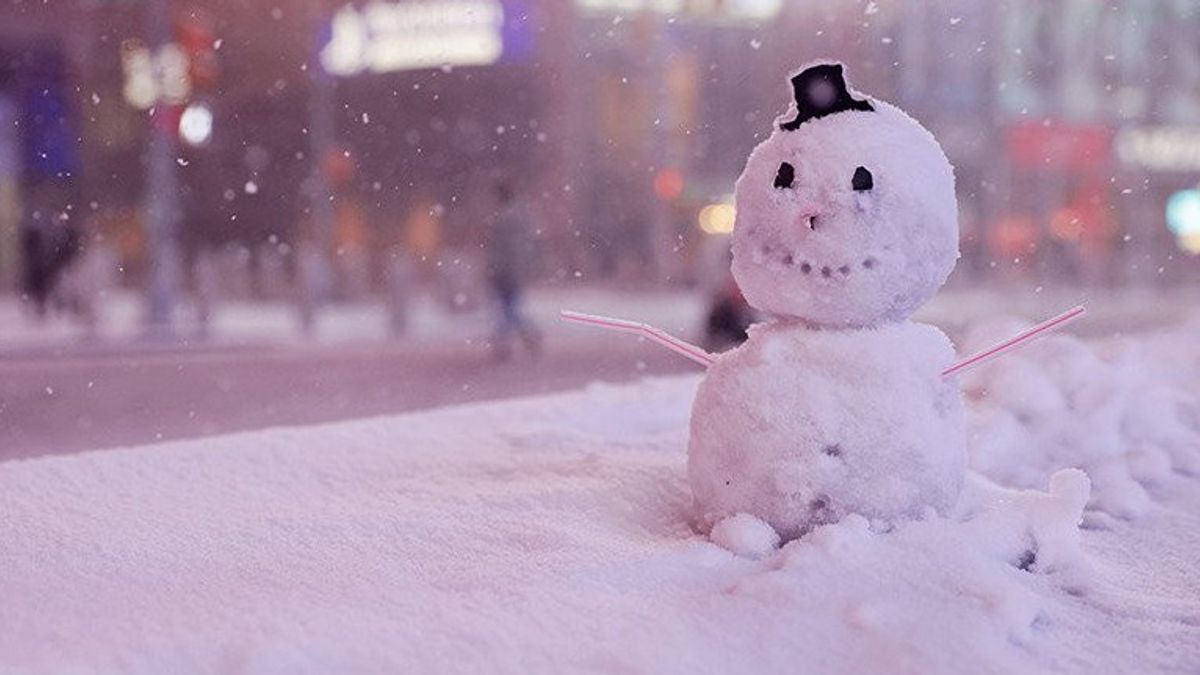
(647, 331)
(1016, 340)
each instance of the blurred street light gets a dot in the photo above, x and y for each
(717, 218)
(1183, 218)
(154, 76)
(196, 124)
(162, 185)
(668, 183)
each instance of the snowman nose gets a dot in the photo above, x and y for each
(807, 217)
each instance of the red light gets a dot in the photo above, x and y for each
(1013, 236)
(1067, 224)
(668, 184)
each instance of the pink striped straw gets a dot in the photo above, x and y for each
(1015, 341)
(705, 359)
(649, 332)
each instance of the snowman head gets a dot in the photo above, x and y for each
(846, 215)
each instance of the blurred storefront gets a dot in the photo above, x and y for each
(435, 102)
(40, 149)
(1069, 125)
(1162, 162)
(10, 177)
(375, 128)
(614, 118)
(677, 95)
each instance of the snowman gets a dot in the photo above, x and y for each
(846, 224)
(837, 403)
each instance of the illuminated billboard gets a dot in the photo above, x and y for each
(752, 11)
(384, 37)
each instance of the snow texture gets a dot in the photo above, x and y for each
(801, 427)
(553, 535)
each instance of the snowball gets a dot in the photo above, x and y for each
(743, 534)
(800, 427)
(871, 255)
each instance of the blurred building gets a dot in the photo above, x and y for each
(374, 129)
(40, 127)
(1072, 126)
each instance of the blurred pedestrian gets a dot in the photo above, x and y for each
(511, 254)
(314, 276)
(49, 242)
(85, 282)
(206, 287)
(401, 279)
(729, 318)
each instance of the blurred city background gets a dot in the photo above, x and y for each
(226, 214)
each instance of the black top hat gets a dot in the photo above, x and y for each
(820, 90)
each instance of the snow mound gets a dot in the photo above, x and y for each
(555, 534)
(1124, 411)
(1035, 531)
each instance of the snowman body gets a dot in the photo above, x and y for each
(801, 427)
(846, 223)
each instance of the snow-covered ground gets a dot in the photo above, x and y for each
(430, 321)
(681, 311)
(555, 534)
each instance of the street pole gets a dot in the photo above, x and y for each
(663, 146)
(162, 188)
(324, 139)
(317, 246)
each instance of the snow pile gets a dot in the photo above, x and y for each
(551, 535)
(1126, 412)
(1042, 528)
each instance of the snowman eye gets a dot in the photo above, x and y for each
(862, 180)
(785, 176)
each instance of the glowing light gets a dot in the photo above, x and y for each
(196, 124)
(730, 10)
(140, 90)
(1066, 224)
(150, 78)
(386, 37)
(717, 218)
(1183, 219)
(1183, 212)
(1190, 243)
(1013, 236)
(668, 183)
(1160, 148)
(175, 83)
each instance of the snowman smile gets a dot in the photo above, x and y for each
(777, 258)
